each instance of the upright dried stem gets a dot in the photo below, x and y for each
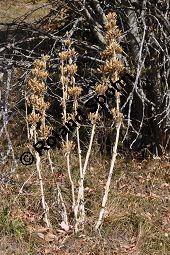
(111, 69)
(44, 204)
(36, 100)
(61, 201)
(80, 200)
(65, 95)
(114, 154)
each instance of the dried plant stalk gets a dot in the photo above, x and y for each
(67, 71)
(36, 100)
(111, 70)
(114, 154)
(26, 113)
(80, 200)
(61, 201)
(44, 204)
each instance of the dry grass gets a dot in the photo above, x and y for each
(137, 219)
(13, 10)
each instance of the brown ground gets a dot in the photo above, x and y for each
(137, 218)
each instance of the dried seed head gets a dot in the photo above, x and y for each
(67, 147)
(45, 131)
(93, 118)
(39, 63)
(36, 86)
(111, 66)
(33, 99)
(45, 58)
(41, 105)
(117, 115)
(64, 55)
(64, 80)
(114, 33)
(111, 49)
(70, 69)
(111, 16)
(68, 42)
(41, 74)
(33, 118)
(100, 88)
(74, 91)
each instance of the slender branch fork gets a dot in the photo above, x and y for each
(79, 208)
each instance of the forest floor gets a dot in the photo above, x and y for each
(137, 219)
(17, 10)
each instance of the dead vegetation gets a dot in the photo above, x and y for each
(90, 194)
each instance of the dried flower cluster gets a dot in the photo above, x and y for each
(67, 147)
(64, 55)
(68, 69)
(112, 30)
(117, 115)
(113, 46)
(101, 88)
(36, 100)
(112, 66)
(74, 91)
